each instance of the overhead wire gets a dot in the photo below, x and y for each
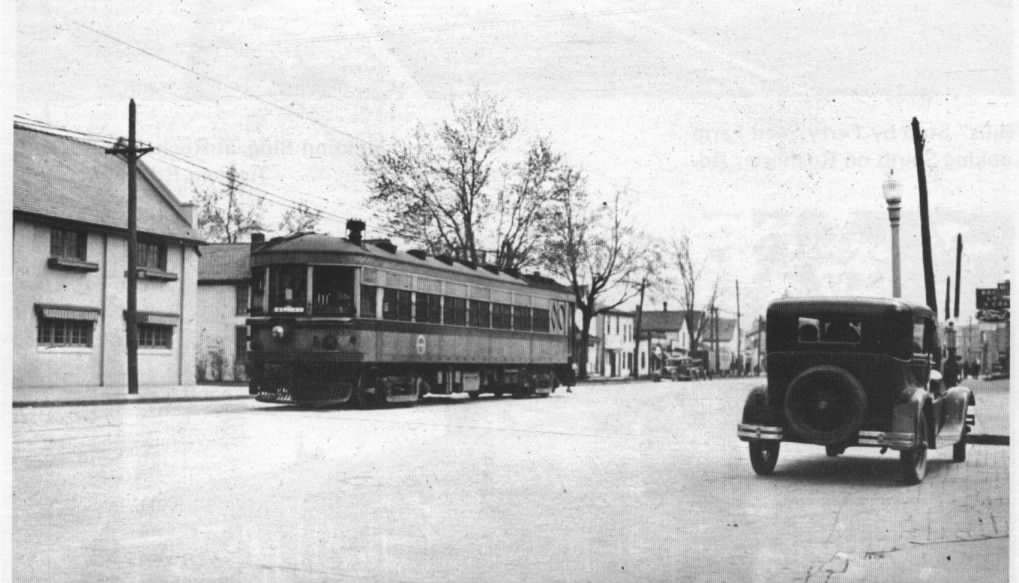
(229, 86)
(195, 169)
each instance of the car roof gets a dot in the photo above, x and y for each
(847, 306)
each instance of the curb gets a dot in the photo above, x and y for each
(124, 401)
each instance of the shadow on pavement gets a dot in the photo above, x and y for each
(859, 471)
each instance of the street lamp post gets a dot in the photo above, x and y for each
(893, 198)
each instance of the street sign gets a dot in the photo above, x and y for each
(992, 299)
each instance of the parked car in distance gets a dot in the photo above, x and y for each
(848, 372)
(680, 368)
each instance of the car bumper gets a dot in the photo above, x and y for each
(752, 432)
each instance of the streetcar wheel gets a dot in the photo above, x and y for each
(473, 394)
(832, 451)
(764, 456)
(914, 461)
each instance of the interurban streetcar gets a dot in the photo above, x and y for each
(339, 319)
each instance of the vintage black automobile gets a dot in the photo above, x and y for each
(849, 371)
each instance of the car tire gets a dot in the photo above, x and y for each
(914, 460)
(825, 404)
(959, 449)
(764, 456)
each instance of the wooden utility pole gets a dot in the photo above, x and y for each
(925, 224)
(714, 313)
(635, 369)
(760, 338)
(739, 333)
(132, 153)
(948, 298)
(958, 273)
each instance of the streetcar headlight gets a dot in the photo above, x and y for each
(279, 333)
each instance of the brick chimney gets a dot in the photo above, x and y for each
(257, 240)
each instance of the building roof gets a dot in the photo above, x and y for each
(224, 262)
(666, 321)
(60, 177)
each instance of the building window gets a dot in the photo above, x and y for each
(68, 244)
(155, 336)
(242, 299)
(55, 332)
(257, 290)
(396, 304)
(521, 318)
(643, 360)
(368, 301)
(540, 320)
(501, 316)
(481, 313)
(429, 308)
(151, 255)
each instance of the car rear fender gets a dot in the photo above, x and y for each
(954, 412)
(907, 412)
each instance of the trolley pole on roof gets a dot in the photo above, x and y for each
(131, 153)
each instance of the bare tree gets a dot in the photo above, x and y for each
(222, 216)
(596, 251)
(451, 191)
(689, 277)
(299, 219)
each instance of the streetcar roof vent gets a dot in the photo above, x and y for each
(447, 259)
(419, 253)
(385, 244)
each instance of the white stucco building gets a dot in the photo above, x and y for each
(70, 269)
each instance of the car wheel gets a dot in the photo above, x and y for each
(914, 461)
(764, 456)
(959, 449)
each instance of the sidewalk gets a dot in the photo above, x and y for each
(68, 396)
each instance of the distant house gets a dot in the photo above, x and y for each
(223, 291)
(723, 353)
(70, 268)
(614, 356)
(666, 331)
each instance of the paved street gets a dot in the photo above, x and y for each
(615, 482)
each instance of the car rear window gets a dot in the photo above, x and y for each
(812, 330)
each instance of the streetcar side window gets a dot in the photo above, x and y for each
(455, 311)
(333, 290)
(396, 304)
(257, 290)
(521, 318)
(480, 314)
(501, 316)
(429, 308)
(540, 320)
(288, 285)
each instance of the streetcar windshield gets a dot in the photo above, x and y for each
(288, 288)
(332, 290)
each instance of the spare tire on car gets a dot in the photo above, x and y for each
(825, 404)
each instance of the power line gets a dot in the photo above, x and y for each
(207, 77)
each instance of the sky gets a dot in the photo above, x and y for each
(763, 131)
